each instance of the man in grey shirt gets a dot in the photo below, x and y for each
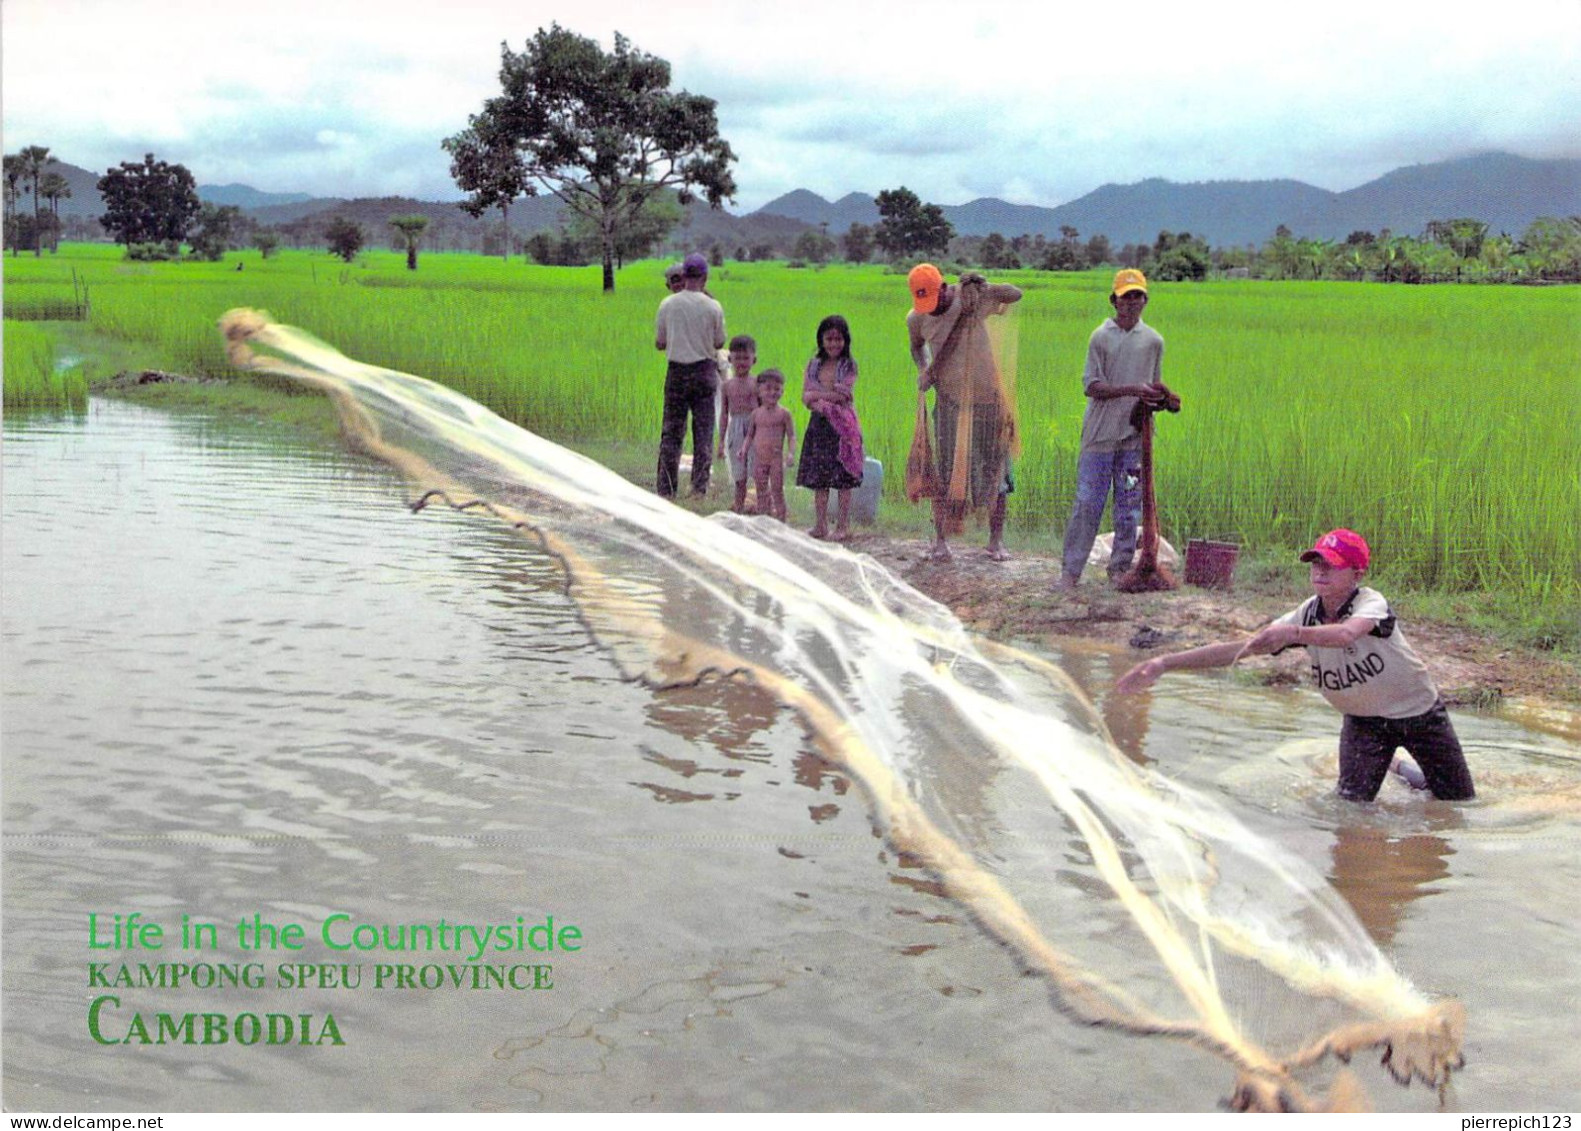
(690, 330)
(1124, 365)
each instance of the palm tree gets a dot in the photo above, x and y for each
(411, 228)
(34, 158)
(13, 193)
(1388, 252)
(54, 188)
(1313, 254)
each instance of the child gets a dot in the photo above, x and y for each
(831, 454)
(1363, 667)
(737, 402)
(770, 432)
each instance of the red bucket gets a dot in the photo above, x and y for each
(1211, 564)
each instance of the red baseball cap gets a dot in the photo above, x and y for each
(1340, 548)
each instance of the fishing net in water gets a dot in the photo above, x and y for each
(1146, 907)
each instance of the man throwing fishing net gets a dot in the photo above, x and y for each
(965, 464)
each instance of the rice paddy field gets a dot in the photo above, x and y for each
(1441, 421)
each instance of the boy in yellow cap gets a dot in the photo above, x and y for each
(1124, 365)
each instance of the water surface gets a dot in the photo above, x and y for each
(240, 679)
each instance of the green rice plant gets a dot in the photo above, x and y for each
(31, 377)
(1439, 421)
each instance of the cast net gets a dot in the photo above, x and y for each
(1146, 907)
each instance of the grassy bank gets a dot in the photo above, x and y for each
(34, 378)
(1438, 420)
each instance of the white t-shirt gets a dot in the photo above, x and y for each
(1379, 675)
(693, 325)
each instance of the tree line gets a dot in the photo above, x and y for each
(28, 171)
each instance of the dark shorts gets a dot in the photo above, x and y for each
(1367, 745)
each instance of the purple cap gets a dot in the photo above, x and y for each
(694, 266)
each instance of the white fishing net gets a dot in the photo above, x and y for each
(1147, 907)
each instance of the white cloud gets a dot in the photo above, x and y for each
(1024, 100)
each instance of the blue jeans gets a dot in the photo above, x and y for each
(1097, 474)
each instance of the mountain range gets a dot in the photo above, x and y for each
(1506, 191)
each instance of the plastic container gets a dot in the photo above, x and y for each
(864, 499)
(1211, 565)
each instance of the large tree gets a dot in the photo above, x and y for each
(216, 231)
(600, 130)
(344, 237)
(857, 243)
(485, 163)
(149, 203)
(910, 227)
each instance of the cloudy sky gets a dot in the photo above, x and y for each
(1019, 100)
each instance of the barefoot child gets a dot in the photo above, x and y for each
(770, 440)
(1363, 667)
(831, 454)
(737, 402)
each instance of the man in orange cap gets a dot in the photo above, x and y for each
(1124, 365)
(972, 414)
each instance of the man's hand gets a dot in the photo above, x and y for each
(969, 293)
(924, 379)
(1141, 677)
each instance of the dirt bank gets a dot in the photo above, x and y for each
(1017, 600)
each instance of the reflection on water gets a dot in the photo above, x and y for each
(238, 679)
(1379, 874)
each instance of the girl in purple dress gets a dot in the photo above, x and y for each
(831, 454)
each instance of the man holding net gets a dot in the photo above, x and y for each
(967, 459)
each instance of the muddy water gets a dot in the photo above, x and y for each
(242, 685)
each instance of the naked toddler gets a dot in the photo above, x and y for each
(770, 441)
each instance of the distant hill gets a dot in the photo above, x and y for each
(1506, 191)
(812, 209)
(701, 227)
(1223, 212)
(527, 215)
(247, 197)
(84, 199)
